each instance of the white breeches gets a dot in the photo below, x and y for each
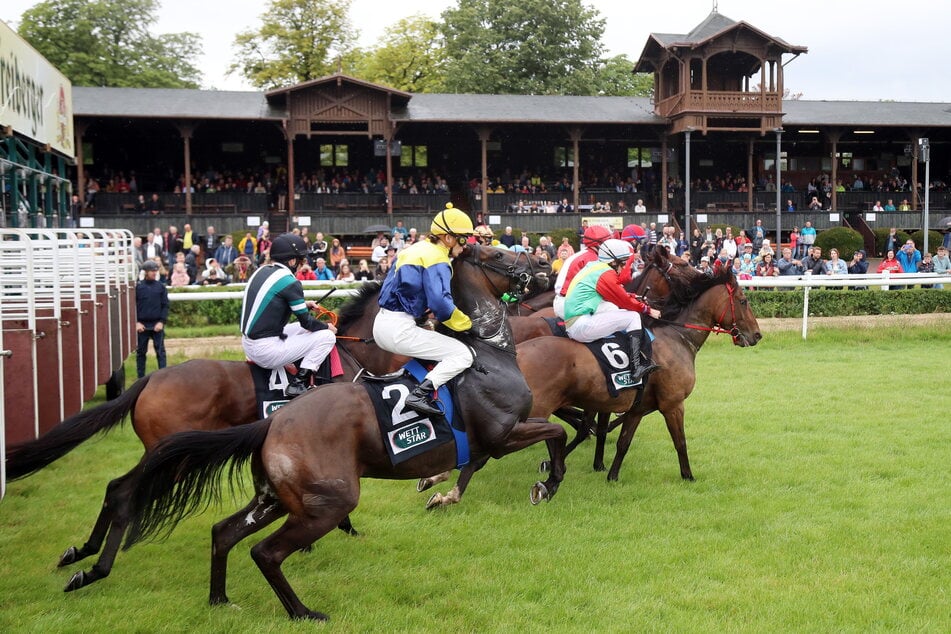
(398, 333)
(274, 352)
(606, 320)
(559, 305)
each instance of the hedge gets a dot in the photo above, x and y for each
(765, 304)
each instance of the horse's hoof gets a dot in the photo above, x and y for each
(600, 467)
(218, 600)
(539, 492)
(310, 615)
(77, 581)
(545, 466)
(71, 556)
(423, 484)
(435, 501)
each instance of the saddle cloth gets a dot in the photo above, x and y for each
(407, 433)
(557, 326)
(269, 384)
(614, 357)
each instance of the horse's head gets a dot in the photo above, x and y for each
(744, 329)
(717, 301)
(500, 271)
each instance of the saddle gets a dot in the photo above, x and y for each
(269, 384)
(407, 433)
(557, 326)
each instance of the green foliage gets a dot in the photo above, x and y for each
(615, 77)
(881, 236)
(847, 241)
(558, 234)
(221, 312)
(533, 47)
(109, 43)
(934, 240)
(832, 303)
(410, 57)
(298, 40)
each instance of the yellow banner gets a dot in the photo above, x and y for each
(36, 100)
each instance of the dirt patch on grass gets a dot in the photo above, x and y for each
(211, 346)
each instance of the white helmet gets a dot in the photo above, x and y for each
(614, 249)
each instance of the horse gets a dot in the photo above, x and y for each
(562, 372)
(308, 457)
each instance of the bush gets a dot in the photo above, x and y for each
(829, 303)
(881, 235)
(571, 234)
(846, 241)
(934, 240)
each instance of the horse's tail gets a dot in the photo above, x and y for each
(31, 456)
(180, 476)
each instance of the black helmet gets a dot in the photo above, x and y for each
(287, 247)
(149, 265)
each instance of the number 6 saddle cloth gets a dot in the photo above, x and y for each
(614, 356)
(406, 432)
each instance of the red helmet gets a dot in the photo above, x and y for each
(633, 233)
(594, 236)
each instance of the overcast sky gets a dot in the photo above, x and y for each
(868, 50)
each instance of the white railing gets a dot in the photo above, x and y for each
(809, 281)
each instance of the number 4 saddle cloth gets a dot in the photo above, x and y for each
(614, 356)
(406, 432)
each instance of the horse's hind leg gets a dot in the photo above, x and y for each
(455, 494)
(601, 435)
(114, 517)
(260, 512)
(675, 426)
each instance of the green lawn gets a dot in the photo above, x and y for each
(822, 503)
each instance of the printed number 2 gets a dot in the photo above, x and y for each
(616, 355)
(399, 414)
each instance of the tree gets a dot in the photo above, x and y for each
(298, 40)
(615, 77)
(536, 47)
(410, 57)
(108, 43)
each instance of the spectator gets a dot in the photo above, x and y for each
(942, 263)
(904, 205)
(345, 274)
(858, 265)
(696, 245)
(209, 241)
(766, 267)
(318, 248)
(890, 205)
(813, 261)
(807, 237)
(788, 265)
(814, 204)
(835, 266)
(263, 228)
(507, 239)
(151, 313)
(747, 267)
(154, 206)
(757, 234)
(322, 272)
(382, 268)
(264, 247)
(794, 240)
(212, 266)
(363, 272)
(191, 264)
(909, 257)
(248, 246)
(379, 249)
(639, 208)
(878, 206)
(305, 273)
(179, 275)
(336, 253)
(400, 230)
(705, 266)
(241, 269)
(890, 264)
(891, 240)
(226, 253)
(926, 266)
(212, 278)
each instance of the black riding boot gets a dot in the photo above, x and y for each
(299, 383)
(421, 401)
(643, 364)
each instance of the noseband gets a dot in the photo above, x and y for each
(518, 281)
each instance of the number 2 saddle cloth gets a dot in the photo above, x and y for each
(406, 432)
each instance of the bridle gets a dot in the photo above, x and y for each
(518, 281)
(717, 328)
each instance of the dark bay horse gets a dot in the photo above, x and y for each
(308, 457)
(563, 373)
(158, 409)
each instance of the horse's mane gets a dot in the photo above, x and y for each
(683, 294)
(354, 308)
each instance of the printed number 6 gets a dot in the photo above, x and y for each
(615, 355)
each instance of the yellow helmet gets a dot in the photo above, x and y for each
(451, 221)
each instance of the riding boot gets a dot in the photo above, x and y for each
(299, 383)
(642, 363)
(421, 401)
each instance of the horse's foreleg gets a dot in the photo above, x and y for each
(629, 426)
(601, 436)
(260, 512)
(455, 494)
(675, 426)
(72, 554)
(112, 522)
(583, 430)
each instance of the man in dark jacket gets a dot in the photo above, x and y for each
(151, 313)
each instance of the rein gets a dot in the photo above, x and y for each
(717, 328)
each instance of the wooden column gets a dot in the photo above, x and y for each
(575, 135)
(291, 177)
(484, 134)
(388, 188)
(663, 174)
(79, 129)
(914, 135)
(187, 129)
(834, 136)
(749, 174)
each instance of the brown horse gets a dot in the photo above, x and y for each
(158, 409)
(309, 456)
(563, 373)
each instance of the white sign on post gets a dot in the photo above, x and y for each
(254, 221)
(833, 217)
(662, 218)
(701, 218)
(870, 217)
(87, 221)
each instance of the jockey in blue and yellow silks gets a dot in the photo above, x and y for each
(417, 283)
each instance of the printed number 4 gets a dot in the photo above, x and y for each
(616, 355)
(278, 379)
(400, 413)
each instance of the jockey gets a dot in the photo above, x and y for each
(419, 282)
(272, 294)
(592, 239)
(484, 235)
(597, 304)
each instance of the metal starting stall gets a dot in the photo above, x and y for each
(67, 318)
